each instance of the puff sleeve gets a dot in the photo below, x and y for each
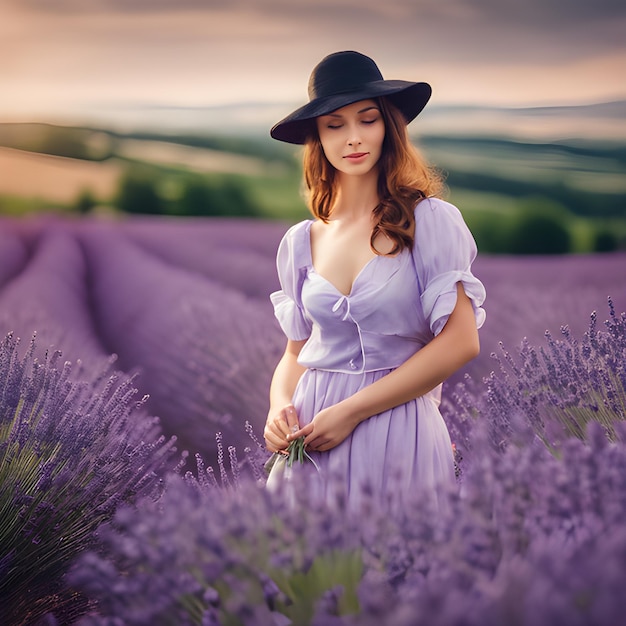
(444, 250)
(291, 266)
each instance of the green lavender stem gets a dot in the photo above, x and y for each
(295, 452)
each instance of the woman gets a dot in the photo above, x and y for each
(377, 297)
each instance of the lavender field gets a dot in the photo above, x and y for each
(534, 534)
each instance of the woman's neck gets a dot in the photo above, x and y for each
(357, 196)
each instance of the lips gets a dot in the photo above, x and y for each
(356, 155)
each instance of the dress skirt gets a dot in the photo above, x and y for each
(391, 454)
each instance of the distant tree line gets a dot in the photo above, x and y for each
(542, 223)
(539, 226)
(191, 195)
(579, 202)
(584, 202)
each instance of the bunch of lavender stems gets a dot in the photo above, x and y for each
(296, 452)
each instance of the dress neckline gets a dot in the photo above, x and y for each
(328, 282)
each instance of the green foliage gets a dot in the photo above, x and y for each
(605, 241)
(85, 202)
(585, 177)
(540, 229)
(491, 230)
(278, 197)
(15, 205)
(303, 583)
(151, 190)
(214, 196)
(138, 193)
(304, 589)
(502, 226)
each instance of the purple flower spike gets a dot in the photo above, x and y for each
(558, 389)
(70, 452)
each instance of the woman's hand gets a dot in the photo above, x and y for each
(280, 424)
(328, 428)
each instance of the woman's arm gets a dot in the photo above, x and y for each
(282, 416)
(454, 346)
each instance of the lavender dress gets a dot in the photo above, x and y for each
(396, 306)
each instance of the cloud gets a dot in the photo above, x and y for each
(549, 12)
(197, 51)
(503, 30)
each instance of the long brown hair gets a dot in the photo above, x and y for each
(404, 177)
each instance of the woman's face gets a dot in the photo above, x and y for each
(352, 137)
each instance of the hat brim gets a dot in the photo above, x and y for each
(409, 97)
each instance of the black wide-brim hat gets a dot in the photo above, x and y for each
(343, 78)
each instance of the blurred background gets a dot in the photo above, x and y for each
(113, 107)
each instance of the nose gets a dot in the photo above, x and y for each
(354, 139)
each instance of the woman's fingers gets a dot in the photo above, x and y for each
(319, 444)
(274, 434)
(302, 432)
(279, 426)
(291, 417)
(273, 441)
(286, 420)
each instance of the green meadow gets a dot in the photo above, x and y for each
(517, 196)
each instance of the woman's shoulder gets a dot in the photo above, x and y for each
(298, 230)
(439, 223)
(293, 250)
(435, 207)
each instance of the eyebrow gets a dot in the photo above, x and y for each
(358, 112)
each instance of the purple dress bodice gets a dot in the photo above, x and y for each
(396, 305)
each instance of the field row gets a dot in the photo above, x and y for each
(185, 302)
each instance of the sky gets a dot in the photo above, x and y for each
(68, 56)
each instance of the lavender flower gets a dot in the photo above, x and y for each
(558, 389)
(526, 541)
(184, 332)
(238, 554)
(237, 254)
(530, 539)
(71, 451)
(184, 302)
(48, 297)
(533, 535)
(13, 255)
